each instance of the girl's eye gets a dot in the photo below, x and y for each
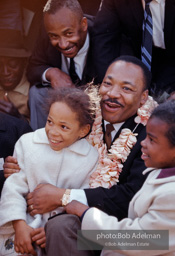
(64, 127)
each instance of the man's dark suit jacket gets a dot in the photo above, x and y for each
(118, 31)
(45, 56)
(11, 129)
(115, 201)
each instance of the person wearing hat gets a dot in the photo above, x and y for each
(14, 86)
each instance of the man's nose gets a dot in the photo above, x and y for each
(114, 92)
(4, 70)
(62, 43)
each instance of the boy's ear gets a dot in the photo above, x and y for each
(84, 130)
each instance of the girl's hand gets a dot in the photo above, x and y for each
(23, 240)
(39, 237)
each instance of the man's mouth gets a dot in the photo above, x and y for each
(111, 105)
(7, 81)
(67, 51)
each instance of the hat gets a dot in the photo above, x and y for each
(12, 43)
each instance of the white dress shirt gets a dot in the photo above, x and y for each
(79, 60)
(157, 8)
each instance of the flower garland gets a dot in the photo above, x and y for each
(111, 163)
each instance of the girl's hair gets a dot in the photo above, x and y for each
(166, 113)
(77, 100)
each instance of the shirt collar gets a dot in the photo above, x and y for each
(116, 126)
(85, 47)
(158, 1)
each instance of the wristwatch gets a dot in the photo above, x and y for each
(66, 197)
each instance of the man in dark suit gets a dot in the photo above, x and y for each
(123, 90)
(11, 128)
(62, 56)
(118, 30)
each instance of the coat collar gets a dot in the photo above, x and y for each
(80, 147)
(153, 178)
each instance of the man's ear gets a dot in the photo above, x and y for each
(84, 24)
(84, 130)
(144, 97)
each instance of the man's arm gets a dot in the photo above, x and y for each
(115, 201)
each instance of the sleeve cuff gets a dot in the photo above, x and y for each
(79, 195)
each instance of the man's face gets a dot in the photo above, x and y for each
(122, 91)
(11, 71)
(66, 31)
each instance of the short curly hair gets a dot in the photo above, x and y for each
(166, 113)
(52, 6)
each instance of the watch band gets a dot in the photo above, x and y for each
(66, 197)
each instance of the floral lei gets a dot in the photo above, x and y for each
(110, 163)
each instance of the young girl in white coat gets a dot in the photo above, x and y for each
(57, 154)
(153, 207)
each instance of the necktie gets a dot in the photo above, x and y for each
(109, 129)
(75, 78)
(146, 49)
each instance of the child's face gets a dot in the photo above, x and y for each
(62, 127)
(156, 148)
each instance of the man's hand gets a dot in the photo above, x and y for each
(23, 241)
(8, 107)
(58, 78)
(76, 208)
(39, 237)
(10, 166)
(44, 198)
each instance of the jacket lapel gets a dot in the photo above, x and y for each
(130, 124)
